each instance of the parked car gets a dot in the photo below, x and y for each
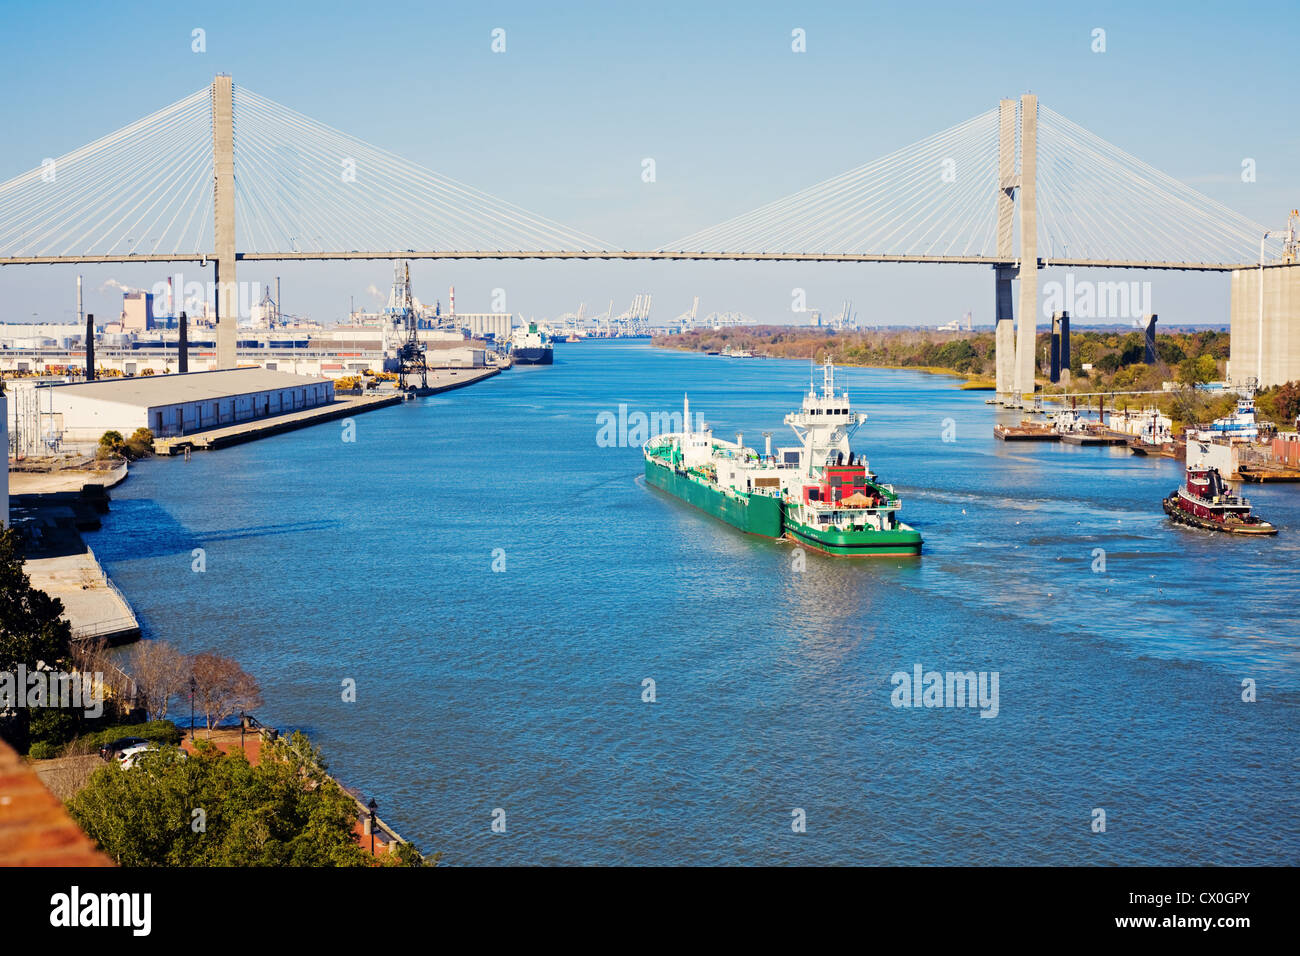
(126, 758)
(114, 748)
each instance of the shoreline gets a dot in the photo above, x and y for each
(970, 381)
(65, 573)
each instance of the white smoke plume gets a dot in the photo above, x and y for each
(114, 284)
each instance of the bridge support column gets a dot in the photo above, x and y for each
(1004, 339)
(1026, 339)
(1004, 358)
(223, 217)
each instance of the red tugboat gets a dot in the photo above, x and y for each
(1207, 502)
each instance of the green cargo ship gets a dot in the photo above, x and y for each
(814, 494)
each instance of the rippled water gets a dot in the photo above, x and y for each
(522, 690)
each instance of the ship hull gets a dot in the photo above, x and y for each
(753, 514)
(902, 542)
(532, 356)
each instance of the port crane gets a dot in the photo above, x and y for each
(411, 360)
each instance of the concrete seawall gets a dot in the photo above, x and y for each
(345, 406)
(278, 425)
(58, 561)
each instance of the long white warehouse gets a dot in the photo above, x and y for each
(172, 405)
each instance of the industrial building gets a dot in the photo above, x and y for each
(168, 405)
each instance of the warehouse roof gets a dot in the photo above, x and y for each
(154, 390)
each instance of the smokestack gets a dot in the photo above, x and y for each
(1065, 341)
(1150, 356)
(452, 301)
(90, 347)
(183, 345)
(1054, 368)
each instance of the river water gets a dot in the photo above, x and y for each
(1120, 643)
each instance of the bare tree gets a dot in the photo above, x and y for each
(222, 687)
(95, 660)
(161, 672)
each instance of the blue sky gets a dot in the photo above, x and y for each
(560, 122)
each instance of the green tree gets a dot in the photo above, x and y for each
(140, 444)
(31, 629)
(1197, 371)
(285, 811)
(111, 444)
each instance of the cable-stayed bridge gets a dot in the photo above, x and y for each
(225, 175)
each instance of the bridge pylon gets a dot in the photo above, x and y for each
(1003, 303)
(1014, 344)
(223, 217)
(1027, 334)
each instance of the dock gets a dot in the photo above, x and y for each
(228, 435)
(1260, 474)
(1026, 431)
(60, 563)
(1093, 438)
(448, 379)
(344, 406)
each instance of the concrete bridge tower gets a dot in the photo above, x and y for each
(223, 217)
(1003, 309)
(1014, 346)
(1026, 335)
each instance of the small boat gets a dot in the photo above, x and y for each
(1241, 425)
(1206, 501)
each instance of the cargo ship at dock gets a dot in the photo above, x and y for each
(816, 494)
(529, 345)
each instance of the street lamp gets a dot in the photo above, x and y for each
(194, 685)
(372, 807)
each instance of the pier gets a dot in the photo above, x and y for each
(344, 406)
(60, 563)
(265, 427)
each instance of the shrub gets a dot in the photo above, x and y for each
(112, 440)
(52, 725)
(140, 444)
(159, 731)
(43, 750)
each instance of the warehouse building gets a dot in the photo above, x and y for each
(173, 405)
